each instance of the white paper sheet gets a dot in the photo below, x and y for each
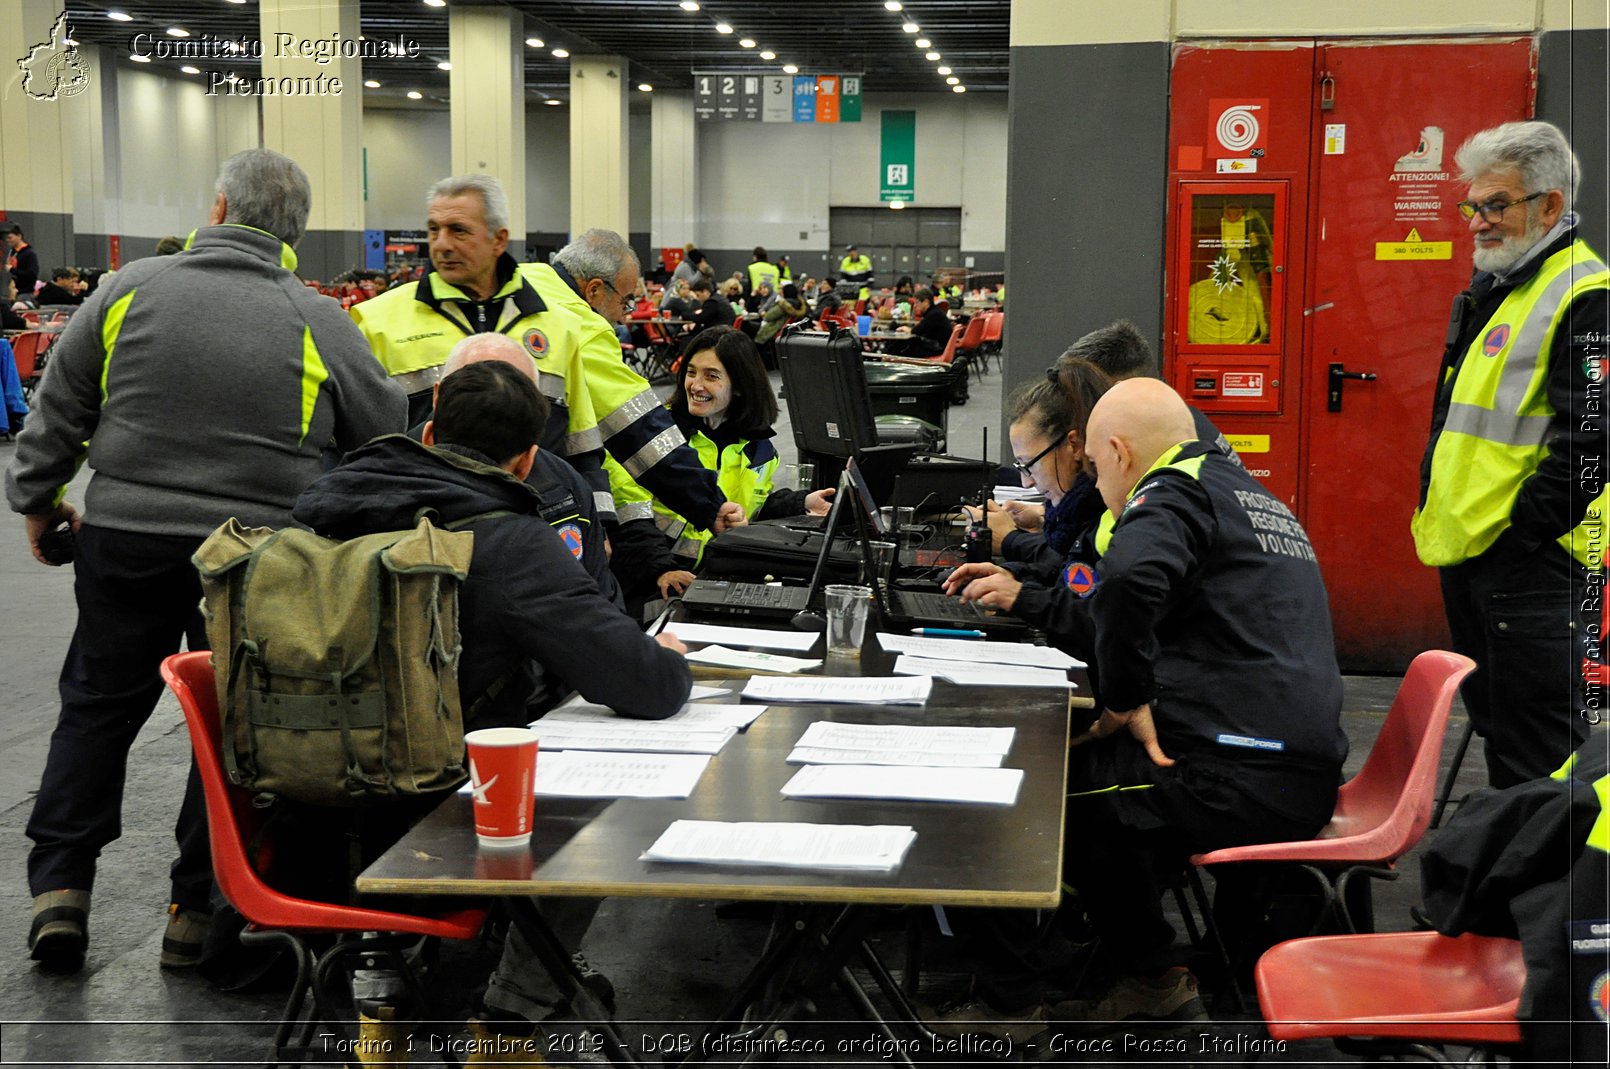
(760, 638)
(693, 715)
(907, 738)
(982, 652)
(589, 774)
(986, 786)
(836, 847)
(826, 755)
(875, 690)
(701, 692)
(970, 674)
(631, 736)
(722, 657)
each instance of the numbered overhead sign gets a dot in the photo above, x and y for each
(749, 97)
(850, 98)
(777, 99)
(704, 97)
(728, 91)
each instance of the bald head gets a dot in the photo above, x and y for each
(1133, 424)
(479, 347)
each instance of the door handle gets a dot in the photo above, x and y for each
(1338, 373)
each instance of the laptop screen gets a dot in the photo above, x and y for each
(863, 494)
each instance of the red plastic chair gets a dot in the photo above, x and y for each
(233, 821)
(28, 348)
(1380, 813)
(1394, 993)
(968, 349)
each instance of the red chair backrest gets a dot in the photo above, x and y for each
(993, 322)
(26, 348)
(950, 348)
(1390, 799)
(233, 821)
(973, 336)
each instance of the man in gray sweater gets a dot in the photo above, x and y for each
(197, 387)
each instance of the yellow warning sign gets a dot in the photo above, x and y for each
(1412, 248)
(1248, 443)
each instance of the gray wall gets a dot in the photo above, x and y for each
(1086, 186)
(1571, 82)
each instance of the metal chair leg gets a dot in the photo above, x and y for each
(1453, 774)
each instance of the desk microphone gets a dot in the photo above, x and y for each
(977, 539)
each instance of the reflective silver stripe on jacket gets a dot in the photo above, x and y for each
(658, 448)
(1503, 423)
(670, 526)
(688, 547)
(604, 502)
(587, 441)
(634, 510)
(551, 386)
(419, 381)
(629, 413)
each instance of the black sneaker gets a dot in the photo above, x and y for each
(599, 984)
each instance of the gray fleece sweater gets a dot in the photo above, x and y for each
(206, 385)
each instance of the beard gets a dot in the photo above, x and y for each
(1511, 250)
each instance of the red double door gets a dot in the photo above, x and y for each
(1314, 250)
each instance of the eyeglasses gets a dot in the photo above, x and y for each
(1493, 210)
(1026, 467)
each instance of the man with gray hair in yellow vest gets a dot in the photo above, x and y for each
(1512, 503)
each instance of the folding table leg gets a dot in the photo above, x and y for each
(556, 959)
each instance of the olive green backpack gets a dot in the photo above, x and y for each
(337, 661)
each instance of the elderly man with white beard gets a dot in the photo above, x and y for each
(1512, 504)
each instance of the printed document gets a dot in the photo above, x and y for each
(635, 736)
(693, 715)
(969, 674)
(987, 786)
(798, 641)
(874, 690)
(836, 847)
(721, 657)
(588, 774)
(915, 739)
(966, 649)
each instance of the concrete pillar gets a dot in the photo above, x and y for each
(675, 196)
(36, 100)
(1084, 243)
(488, 93)
(315, 116)
(599, 154)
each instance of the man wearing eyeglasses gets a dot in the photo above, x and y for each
(1512, 503)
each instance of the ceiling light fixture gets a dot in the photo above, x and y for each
(370, 83)
(553, 103)
(923, 42)
(444, 66)
(953, 80)
(747, 42)
(141, 59)
(534, 42)
(689, 5)
(722, 27)
(768, 55)
(789, 68)
(414, 94)
(958, 89)
(896, 205)
(930, 56)
(910, 27)
(944, 70)
(561, 53)
(178, 31)
(892, 5)
(120, 16)
(190, 70)
(435, 3)
(644, 87)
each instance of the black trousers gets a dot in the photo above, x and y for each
(1132, 826)
(138, 596)
(1519, 616)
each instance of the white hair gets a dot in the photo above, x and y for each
(1539, 150)
(494, 202)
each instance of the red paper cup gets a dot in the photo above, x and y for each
(503, 764)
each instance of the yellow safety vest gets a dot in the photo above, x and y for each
(1496, 431)
(744, 472)
(856, 266)
(1191, 466)
(762, 271)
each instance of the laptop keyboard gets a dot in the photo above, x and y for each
(761, 596)
(930, 605)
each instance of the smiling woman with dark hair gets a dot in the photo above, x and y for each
(725, 406)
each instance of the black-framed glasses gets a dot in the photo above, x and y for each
(1493, 210)
(1026, 467)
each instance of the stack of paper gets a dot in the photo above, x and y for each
(968, 674)
(585, 774)
(721, 657)
(695, 715)
(961, 649)
(756, 637)
(1005, 492)
(837, 847)
(988, 786)
(636, 736)
(874, 690)
(827, 742)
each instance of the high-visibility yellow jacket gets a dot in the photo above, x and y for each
(598, 405)
(744, 470)
(1497, 426)
(763, 271)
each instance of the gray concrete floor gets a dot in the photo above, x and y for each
(670, 961)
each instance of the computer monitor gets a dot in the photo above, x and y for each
(825, 384)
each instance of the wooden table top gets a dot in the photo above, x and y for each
(963, 855)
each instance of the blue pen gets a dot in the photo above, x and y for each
(945, 632)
